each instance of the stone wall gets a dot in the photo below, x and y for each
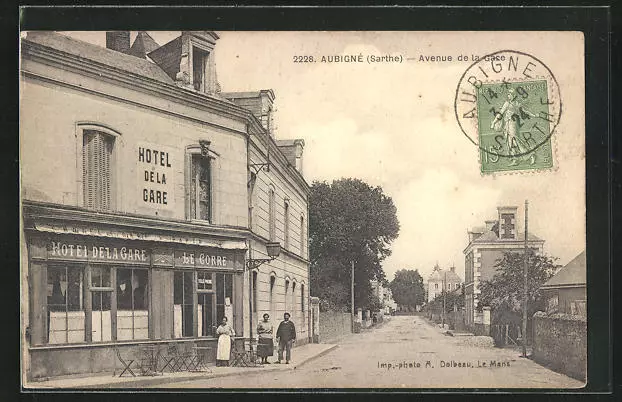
(333, 325)
(560, 342)
(455, 320)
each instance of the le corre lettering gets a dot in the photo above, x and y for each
(108, 253)
(205, 259)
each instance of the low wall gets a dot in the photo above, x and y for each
(560, 343)
(333, 325)
(456, 320)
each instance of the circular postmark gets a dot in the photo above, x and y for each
(508, 104)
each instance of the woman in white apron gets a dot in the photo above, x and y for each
(223, 353)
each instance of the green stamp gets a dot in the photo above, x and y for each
(514, 125)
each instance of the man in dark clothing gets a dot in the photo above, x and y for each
(285, 335)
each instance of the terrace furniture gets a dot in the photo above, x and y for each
(244, 353)
(148, 359)
(198, 361)
(127, 364)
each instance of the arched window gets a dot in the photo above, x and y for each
(272, 228)
(302, 236)
(293, 306)
(254, 291)
(272, 284)
(302, 302)
(286, 224)
(200, 164)
(286, 293)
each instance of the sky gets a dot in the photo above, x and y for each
(393, 125)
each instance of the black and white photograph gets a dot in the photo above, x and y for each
(302, 210)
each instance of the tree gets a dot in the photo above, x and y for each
(407, 288)
(349, 221)
(455, 298)
(505, 289)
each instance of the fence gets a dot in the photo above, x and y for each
(506, 335)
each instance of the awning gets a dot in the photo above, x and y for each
(131, 235)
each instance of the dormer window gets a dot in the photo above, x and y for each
(199, 69)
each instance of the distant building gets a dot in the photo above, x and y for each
(384, 295)
(565, 292)
(487, 245)
(441, 279)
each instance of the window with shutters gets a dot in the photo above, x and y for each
(200, 188)
(97, 151)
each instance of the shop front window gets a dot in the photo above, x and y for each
(183, 288)
(132, 304)
(65, 306)
(101, 292)
(205, 290)
(224, 297)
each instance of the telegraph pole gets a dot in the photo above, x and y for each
(444, 297)
(352, 296)
(525, 269)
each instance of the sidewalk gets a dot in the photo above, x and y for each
(302, 354)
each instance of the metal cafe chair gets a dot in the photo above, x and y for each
(172, 359)
(127, 364)
(198, 362)
(243, 353)
(148, 360)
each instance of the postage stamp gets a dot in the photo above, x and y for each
(508, 104)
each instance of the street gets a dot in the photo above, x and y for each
(405, 352)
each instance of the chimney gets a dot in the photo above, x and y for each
(267, 110)
(260, 103)
(507, 222)
(293, 150)
(118, 40)
(490, 224)
(453, 268)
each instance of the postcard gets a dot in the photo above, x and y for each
(288, 210)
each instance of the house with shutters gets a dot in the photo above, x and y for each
(151, 202)
(486, 245)
(442, 280)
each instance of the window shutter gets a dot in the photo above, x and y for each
(96, 170)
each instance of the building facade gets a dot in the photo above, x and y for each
(146, 192)
(441, 279)
(487, 245)
(565, 292)
(384, 296)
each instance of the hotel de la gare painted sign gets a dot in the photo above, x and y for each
(155, 167)
(130, 253)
